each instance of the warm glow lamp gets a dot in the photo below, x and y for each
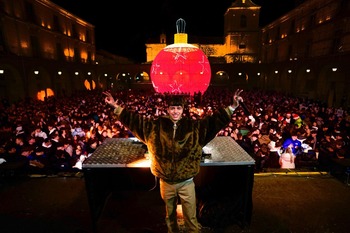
(180, 68)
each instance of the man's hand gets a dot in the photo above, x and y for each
(109, 99)
(237, 98)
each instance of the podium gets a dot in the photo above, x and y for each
(223, 186)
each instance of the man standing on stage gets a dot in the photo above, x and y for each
(175, 146)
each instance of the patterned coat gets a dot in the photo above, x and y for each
(175, 149)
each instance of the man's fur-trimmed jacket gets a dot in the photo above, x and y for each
(175, 149)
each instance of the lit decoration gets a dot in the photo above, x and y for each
(88, 85)
(180, 67)
(40, 95)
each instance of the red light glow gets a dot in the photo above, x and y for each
(180, 68)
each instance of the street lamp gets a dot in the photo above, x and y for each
(2, 74)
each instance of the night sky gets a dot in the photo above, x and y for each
(123, 27)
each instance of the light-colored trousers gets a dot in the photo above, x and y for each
(187, 194)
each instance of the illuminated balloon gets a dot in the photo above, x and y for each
(180, 68)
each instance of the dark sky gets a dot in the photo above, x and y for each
(123, 27)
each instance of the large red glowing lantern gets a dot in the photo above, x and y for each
(180, 68)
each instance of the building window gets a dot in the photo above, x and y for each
(74, 32)
(77, 57)
(59, 52)
(242, 46)
(243, 21)
(336, 46)
(312, 21)
(35, 45)
(308, 48)
(56, 24)
(290, 51)
(30, 13)
(292, 27)
(88, 36)
(278, 32)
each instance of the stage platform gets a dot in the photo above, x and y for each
(224, 184)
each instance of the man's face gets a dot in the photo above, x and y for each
(18, 141)
(175, 112)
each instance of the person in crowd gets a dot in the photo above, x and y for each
(77, 131)
(49, 148)
(175, 144)
(19, 130)
(103, 136)
(51, 128)
(313, 140)
(72, 111)
(79, 141)
(297, 121)
(65, 157)
(310, 147)
(326, 150)
(55, 139)
(65, 133)
(91, 145)
(80, 156)
(287, 159)
(293, 143)
(11, 162)
(28, 153)
(254, 140)
(264, 137)
(20, 143)
(39, 162)
(261, 157)
(68, 146)
(244, 143)
(39, 133)
(31, 141)
(340, 151)
(274, 146)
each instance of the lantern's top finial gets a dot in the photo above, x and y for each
(180, 25)
(180, 36)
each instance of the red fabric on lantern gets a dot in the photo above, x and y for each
(180, 68)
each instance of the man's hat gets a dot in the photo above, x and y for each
(176, 100)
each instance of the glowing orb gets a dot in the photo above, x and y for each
(180, 68)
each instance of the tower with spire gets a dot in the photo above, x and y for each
(241, 31)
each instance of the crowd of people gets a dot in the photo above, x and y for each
(55, 136)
